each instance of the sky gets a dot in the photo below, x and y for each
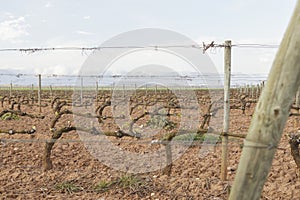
(59, 23)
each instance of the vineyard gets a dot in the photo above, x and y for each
(44, 154)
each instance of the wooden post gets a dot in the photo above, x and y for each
(10, 90)
(65, 90)
(298, 98)
(257, 91)
(248, 90)
(51, 92)
(39, 93)
(262, 85)
(168, 167)
(227, 73)
(32, 91)
(241, 90)
(270, 116)
(146, 88)
(123, 91)
(96, 93)
(81, 90)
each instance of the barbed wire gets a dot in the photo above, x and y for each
(204, 47)
(32, 50)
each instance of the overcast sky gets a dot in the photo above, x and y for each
(57, 23)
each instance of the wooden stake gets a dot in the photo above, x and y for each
(298, 98)
(32, 91)
(96, 93)
(257, 91)
(123, 91)
(81, 90)
(146, 88)
(227, 72)
(168, 168)
(51, 92)
(10, 90)
(39, 93)
(111, 89)
(270, 116)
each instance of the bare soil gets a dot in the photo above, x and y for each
(76, 174)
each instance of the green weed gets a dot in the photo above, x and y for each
(129, 181)
(67, 187)
(103, 186)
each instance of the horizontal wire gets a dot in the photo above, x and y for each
(216, 75)
(32, 50)
(235, 142)
(188, 141)
(70, 48)
(256, 45)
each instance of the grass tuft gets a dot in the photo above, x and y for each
(129, 181)
(103, 186)
(67, 187)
